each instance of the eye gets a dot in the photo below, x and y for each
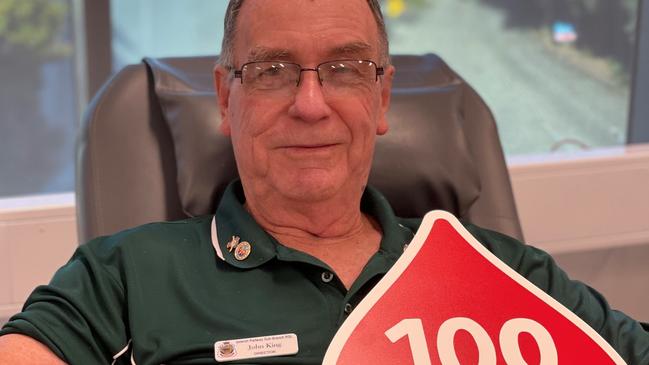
(268, 75)
(270, 70)
(343, 68)
(344, 73)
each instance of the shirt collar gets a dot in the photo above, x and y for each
(395, 235)
(232, 220)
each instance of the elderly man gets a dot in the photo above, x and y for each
(303, 88)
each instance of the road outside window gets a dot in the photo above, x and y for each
(555, 73)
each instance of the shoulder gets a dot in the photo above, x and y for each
(519, 256)
(144, 247)
(534, 264)
(160, 236)
(513, 252)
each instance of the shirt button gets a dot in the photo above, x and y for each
(348, 308)
(327, 276)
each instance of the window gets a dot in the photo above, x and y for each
(555, 73)
(39, 106)
(164, 28)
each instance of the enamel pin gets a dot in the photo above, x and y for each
(233, 243)
(242, 251)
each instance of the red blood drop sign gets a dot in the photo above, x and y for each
(449, 300)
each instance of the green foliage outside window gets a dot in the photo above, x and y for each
(33, 34)
(33, 27)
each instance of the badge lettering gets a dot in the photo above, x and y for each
(256, 347)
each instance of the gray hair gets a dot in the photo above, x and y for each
(232, 13)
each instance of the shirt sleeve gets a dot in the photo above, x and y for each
(623, 333)
(80, 315)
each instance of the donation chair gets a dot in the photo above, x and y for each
(150, 149)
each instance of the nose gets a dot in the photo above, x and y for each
(309, 102)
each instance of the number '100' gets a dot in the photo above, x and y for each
(508, 338)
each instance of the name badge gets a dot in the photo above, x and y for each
(255, 347)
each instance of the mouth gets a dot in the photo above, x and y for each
(310, 148)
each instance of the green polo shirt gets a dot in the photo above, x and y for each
(166, 292)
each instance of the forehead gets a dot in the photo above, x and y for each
(305, 30)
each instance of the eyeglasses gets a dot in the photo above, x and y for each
(338, 75)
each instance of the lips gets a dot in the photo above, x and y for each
(311, 148)
(308, 144)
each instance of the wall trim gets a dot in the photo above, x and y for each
(595, 200)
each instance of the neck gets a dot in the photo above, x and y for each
(333, 230)
(338, 218)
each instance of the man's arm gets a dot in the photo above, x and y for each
(23, 350)
(627, 336)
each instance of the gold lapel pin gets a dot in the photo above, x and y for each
(242, 251)
(233, 243)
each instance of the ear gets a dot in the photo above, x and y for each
(386, 92)
(222, 87)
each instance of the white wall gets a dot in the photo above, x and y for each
(592, 214)
(33, 244)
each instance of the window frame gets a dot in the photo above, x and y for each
(97, 26)
(638, 128)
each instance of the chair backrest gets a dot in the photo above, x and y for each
(150, 148)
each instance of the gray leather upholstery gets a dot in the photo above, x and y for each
(150, 150)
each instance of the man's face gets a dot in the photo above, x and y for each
(306, 144)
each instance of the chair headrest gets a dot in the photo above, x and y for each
(422, 163)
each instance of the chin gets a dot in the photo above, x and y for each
(311, 186)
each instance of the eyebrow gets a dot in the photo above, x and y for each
(352, 49)
(260, 53)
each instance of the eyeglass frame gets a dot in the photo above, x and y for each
(379, 70)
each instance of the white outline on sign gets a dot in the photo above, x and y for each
(345, 331)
